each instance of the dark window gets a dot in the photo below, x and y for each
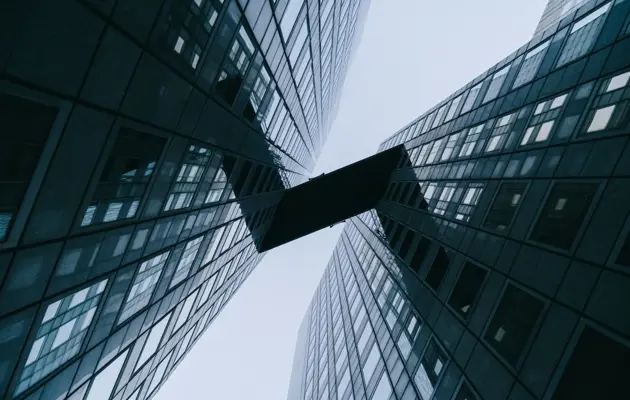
(125, 177)
(396, 235)
(24, 128)
(504, 207)
(430, 369)
(513, 323)
(598, 369)
(438, 269)
(624, 254)
(467, 288)
(406, 244)
(465, 393)
(403, 194)
(563, 214)
(415, 194)
(420, 254)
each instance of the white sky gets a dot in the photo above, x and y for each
(413, 54)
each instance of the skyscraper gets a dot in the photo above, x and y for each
(496, 264)
(145, 145)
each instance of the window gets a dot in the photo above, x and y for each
(433, 154)
(453, 108)
(445, 198)
(430, 369)
(422, 153)
(420, 254)
(466, 289)
(530, 65)
(190, 173)
(153, 341)
(469, 202)
(124, 178)
(598, 369)
(143, 286)
(610, 106)
(438, 116)
(543, 120)
(159, 373)
(60, 334)
(438, 269)
(496, 83)
(185, 263)
(563, 214)
(24, 128)
(404, 346)
(623, 258)
(370, 364)
(513, 323)
(104, 382)
(235, 65)
(185, 311)
(470, 99)
(471, 139)
(505, 205)
(383, 389)
(289, 17)
(583, 35)
(499, 134)
(465, 393)
(450, 146)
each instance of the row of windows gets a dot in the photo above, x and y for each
(65, 323)
(509, 334)
(609, 111)
(580, 40)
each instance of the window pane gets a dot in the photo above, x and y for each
(563, 214)
(103, 384)
(583, 35)
(504, 206)
(513, 323)
(430, 369)
(467, 288)
(601, 118)
(597, 369)
(438, 269)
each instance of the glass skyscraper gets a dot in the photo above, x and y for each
(496, 265)
(145, 145)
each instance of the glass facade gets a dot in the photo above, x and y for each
(145, 147)
(496, 264)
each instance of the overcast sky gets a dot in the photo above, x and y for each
(413, 53)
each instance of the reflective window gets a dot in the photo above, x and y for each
(60, 334)
(513, 323)
(185, 311)
(188, 178)
(383, 389)
(370, 364)
(471, 139)
(153, 341)
(450, 146)
(545, 115)
(469, 202)
(235, 65)
(159, 373)
(563, 214)
(465, 393)
(104, 382)
(438, 116)
(185, 263)
(530, 64)
(500, 132)
(430, 369)
(467, 289)
(610, 106)
(24, 128)
(433, 154)
(445, 198)
(496, 83)
(143, 285)
(504, 207)
(470, 99)
(453, 108)
(124, 178)
(290, 15)
(583, 35)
